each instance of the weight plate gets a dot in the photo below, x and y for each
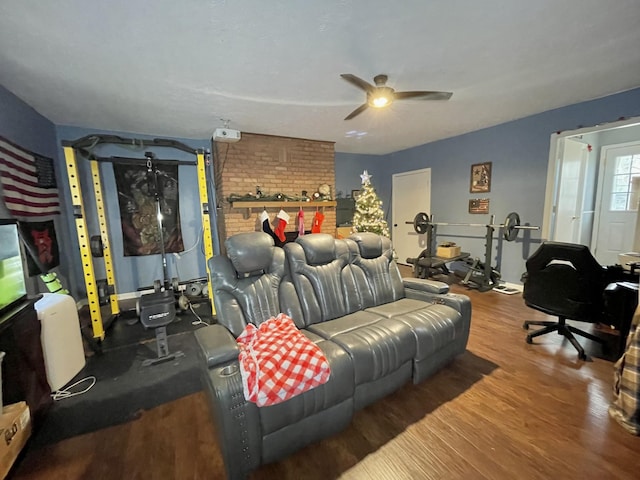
(183, 302)
(194, 289)
(421, 223)
(95, 244)
(510, 232)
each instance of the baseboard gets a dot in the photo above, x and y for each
(132, 295)
(126, 298)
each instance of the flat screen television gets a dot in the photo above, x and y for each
(12, 284)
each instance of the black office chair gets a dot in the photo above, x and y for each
(565, 280)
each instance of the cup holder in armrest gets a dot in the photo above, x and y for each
(229, 370)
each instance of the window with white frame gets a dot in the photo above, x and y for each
(625, 193)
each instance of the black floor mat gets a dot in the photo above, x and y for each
(123, 386)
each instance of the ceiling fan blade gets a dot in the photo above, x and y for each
(358, 82)
(357, 111)
(423, 95)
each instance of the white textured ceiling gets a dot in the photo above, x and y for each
(175, 68)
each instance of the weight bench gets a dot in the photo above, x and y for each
(480, 275)
(424, 264)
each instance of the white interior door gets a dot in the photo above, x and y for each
(618, 195)
(411, 193)
(568, 215)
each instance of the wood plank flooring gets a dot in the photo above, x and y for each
(502, 410)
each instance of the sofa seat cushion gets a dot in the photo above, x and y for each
(434, 325)
(378, 346)
(399, 307)
(339, 387)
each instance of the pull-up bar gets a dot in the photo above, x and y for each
(90, 141)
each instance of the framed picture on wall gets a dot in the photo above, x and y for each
(355, 194)
(479, 205)
(480, 177)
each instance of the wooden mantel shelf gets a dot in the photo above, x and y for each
(319, 205)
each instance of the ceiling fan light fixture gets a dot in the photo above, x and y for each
(379, 102)
(381, 97)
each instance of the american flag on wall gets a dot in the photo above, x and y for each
(28, 182)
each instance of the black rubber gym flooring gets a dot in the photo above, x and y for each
(124, 387)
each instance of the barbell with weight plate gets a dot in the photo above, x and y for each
(421, 222)
(511, 225)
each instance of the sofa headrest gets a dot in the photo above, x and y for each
(370, 244)
(250, 252)
(319, 248)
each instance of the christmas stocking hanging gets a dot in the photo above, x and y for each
(283, 219)
(300, 222)
(266, 228)
(317, 222)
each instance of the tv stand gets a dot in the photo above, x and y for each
(24, 376)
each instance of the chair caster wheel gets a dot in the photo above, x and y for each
(525, 325)
(582, 356)
(529, 341)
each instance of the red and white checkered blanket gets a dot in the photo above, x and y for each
(278, 362)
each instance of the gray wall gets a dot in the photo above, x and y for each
(138, 271)
(24, 126)
(519, 151)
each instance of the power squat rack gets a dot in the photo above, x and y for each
(91, 247)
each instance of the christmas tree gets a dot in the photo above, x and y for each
(369, 216)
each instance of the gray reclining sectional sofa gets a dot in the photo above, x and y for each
(376, 329)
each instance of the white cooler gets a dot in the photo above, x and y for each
(61, 338)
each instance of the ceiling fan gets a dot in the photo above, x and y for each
(379, 95)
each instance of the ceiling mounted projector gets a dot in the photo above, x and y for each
(226, 135)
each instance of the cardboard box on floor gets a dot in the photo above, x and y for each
(15, 428)
(448, 252)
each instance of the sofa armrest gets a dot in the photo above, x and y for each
(437, 292)
(237, 422)
(424, 285)
(460, 302)
(217, 345)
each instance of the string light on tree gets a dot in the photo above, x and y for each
(369, 216)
